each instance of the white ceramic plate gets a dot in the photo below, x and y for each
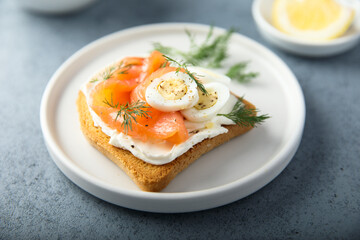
(226, 174)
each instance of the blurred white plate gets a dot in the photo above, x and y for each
(54, 6)
(226, 174)
(261, 11)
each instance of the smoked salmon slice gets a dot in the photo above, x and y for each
(127, 85)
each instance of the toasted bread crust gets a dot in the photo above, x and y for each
(149, 177)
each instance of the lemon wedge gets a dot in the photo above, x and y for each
(313, 20)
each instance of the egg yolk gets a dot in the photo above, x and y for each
(206, 101)
(172, 89)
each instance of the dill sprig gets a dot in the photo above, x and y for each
(183, 65)
(109, 72)
(94, 80)
(129, 112)
(243, 116)
(125, 68)
(237, 72)
(111, 103)
(166, 50)
(210, 53)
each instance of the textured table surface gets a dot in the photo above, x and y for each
(316, 197)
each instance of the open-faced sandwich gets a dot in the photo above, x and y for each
(154, 116)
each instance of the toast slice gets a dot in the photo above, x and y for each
(149, 177)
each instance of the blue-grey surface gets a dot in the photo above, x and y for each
(316, 197)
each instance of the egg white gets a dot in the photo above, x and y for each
(206, 75)
(196, 115)
(158, 101)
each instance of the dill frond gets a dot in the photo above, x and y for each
(210, 53)
(243, 116)
(108, 73)
(129, 112)
(237, 72)
(183, 65)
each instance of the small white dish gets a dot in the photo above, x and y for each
(261, 11)
(226, 174)
(54, 6)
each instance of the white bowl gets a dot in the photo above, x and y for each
(54, 6)
(261, 10)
